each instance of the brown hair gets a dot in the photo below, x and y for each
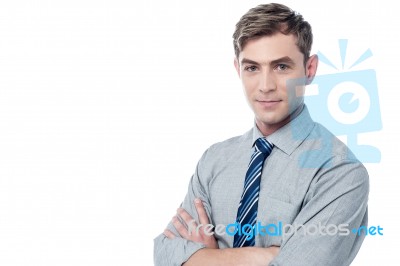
(268, 19)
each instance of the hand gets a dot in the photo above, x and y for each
(193, 232)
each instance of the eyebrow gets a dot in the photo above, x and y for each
(285, 59)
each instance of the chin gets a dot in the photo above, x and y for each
(270, 120)
(271, 116)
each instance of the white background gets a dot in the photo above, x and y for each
(106, 107)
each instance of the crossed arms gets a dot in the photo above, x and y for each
(211, 255)
(334, 197)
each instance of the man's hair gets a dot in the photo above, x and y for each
(268, 19)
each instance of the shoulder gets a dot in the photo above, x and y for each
(217, 152)
(231, 144)
(327, 146)
(329, 156)
(337, 162)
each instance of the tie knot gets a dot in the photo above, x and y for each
(264, 146)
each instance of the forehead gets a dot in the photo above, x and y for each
(268, 48)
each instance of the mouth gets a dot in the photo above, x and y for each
(268, 103)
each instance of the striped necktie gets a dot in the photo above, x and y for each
(247, 211)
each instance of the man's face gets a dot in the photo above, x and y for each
(264, 66)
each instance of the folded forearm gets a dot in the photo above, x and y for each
(249, 256)
(173, 252)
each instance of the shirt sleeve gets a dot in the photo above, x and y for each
(336, 203)
(178, 250)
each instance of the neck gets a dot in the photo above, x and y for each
(268, 129)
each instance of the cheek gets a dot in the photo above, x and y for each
(283, 92)
(300, 90)
(249, 84)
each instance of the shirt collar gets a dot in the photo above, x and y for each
(291, 135)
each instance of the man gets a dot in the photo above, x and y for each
(287, 191)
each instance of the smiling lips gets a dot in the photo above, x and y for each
(268, 103)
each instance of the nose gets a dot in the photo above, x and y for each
(267, 82)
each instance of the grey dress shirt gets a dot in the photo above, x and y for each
(310, 178)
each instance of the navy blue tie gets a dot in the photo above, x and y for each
(247, 211)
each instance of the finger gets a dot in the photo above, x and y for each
(191, 223)
(169, 234)
(187, 218)
(203, 218)
(180, 227)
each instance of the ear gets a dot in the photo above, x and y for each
(237, 66)
(311, 68)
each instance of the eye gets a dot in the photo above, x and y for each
(282, 67)
(251, 68)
